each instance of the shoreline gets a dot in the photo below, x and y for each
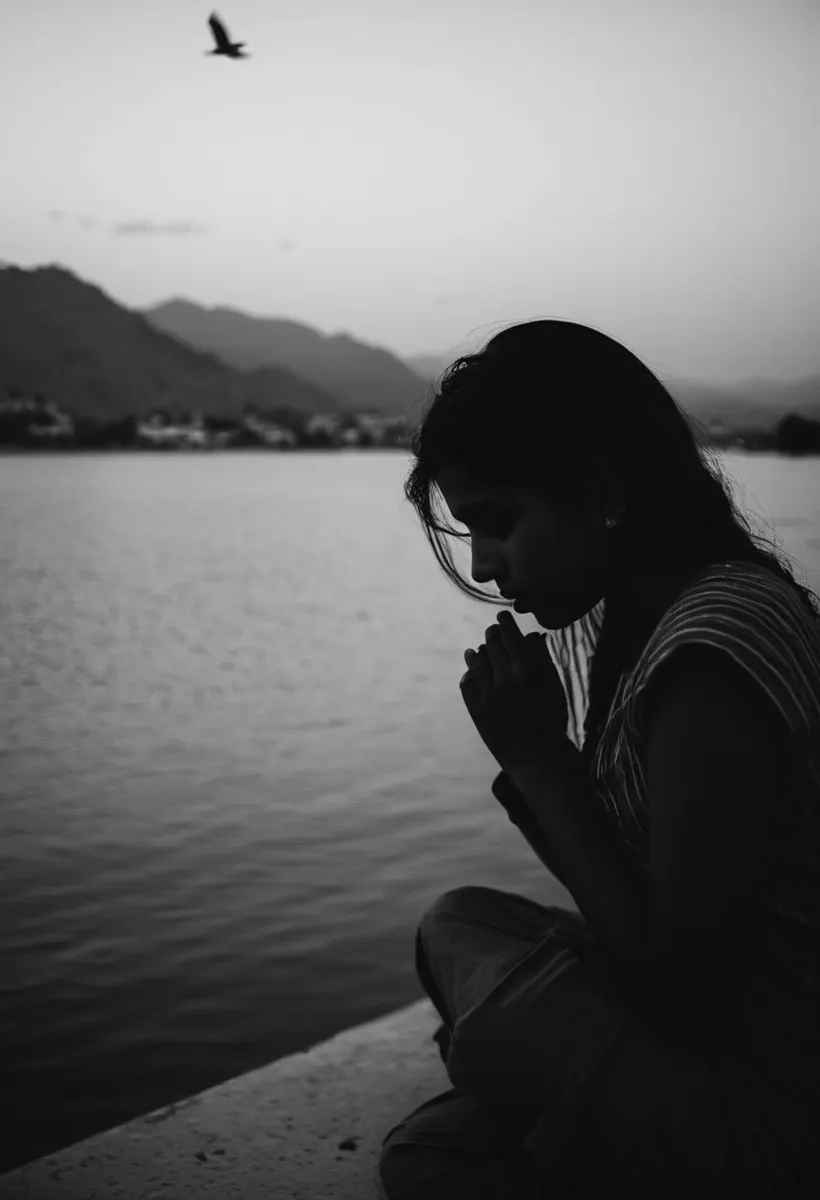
(8, 451)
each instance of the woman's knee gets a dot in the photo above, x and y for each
(469, 898)
(404, 1162)
(441, 1147)
(397, 1170)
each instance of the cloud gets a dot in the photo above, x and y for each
(158, 228)
(57, 216)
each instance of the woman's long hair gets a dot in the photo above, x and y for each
(531, 408)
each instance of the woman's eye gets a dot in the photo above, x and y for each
(499, 527)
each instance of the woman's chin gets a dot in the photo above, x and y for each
(546, 616)
(548, 621)
(550, 618)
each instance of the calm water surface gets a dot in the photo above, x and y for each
(235, 765)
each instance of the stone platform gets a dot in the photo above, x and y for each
(306, 1127)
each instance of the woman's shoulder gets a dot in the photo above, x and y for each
(737, 573)
(737, 593)
(757, 618)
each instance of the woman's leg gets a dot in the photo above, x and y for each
(443, 1034)
(455, 1145)
(471, 936)
(431, 987)
(549, 1056)
(449, 1148)
(521, 923)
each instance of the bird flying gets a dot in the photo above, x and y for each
(224, 45)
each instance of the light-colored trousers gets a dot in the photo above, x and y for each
(559, 1088)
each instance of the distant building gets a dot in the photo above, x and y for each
(35, 416)
(380, 428)
(321, 423)
(59, 427)
(268, 431)
(158, 429)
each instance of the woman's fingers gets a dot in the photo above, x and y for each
(479, 672)
(514, 641)
(505, 654)
(498, 654)
(520, 648)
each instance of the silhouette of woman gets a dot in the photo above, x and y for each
(659, 749)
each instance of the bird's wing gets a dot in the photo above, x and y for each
(219, 31)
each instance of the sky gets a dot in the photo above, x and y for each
(422, 173)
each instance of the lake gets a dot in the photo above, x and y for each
(236, 766)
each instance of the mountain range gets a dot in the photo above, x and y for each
(66, 338)
(366, 378)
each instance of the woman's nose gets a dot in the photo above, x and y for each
(485, 567)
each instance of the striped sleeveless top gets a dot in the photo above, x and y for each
(751, 614)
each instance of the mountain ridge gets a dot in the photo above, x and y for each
(66, 337)
(365, 377)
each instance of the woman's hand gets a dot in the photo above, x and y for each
(515, 696)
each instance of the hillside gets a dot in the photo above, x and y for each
(67, 339)
(429, 366)
(367, 378)
(94, 358)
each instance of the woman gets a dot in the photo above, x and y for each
(665, 1037)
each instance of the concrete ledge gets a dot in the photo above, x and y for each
(305, 1127)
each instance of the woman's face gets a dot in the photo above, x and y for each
(555, 558)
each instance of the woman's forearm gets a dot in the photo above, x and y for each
(607, 886)
(612, 895)
(519, 813)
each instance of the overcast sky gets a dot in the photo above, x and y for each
(420, 173)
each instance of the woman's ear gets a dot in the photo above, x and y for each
(605, 489)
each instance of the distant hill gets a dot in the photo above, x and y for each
(366, 378)
(67, 339)
(755, 404)
(429, 366)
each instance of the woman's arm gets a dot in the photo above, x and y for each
(717, 764)
(509, 797)
(605, 883)
(714, 763)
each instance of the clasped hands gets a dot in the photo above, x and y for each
(515, 697)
